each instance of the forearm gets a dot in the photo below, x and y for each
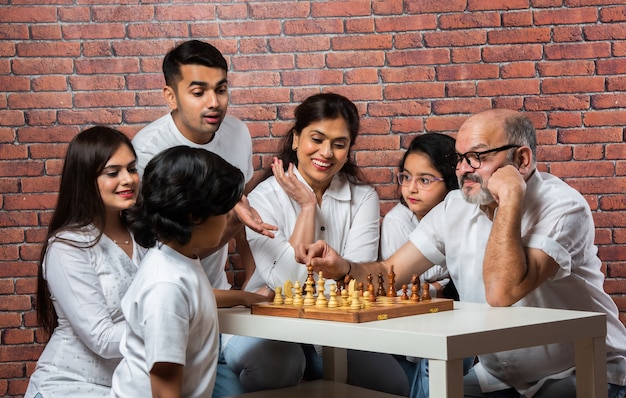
(166, 380)
(232, 298)
(504, 266)
(304, 228)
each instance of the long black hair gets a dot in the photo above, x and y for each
(181, 187)
(79, 203)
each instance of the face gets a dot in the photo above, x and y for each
(322, 149)
(209, 233)
(119, 181)
(479, 134)
(198, 102)
(420, 200)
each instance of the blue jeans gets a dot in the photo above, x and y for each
(264, 364)
(420, 387)
(562, 388)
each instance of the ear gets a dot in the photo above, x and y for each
(170, 97)
(524, 160)
(295, 142)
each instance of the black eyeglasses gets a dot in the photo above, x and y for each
(474, 158)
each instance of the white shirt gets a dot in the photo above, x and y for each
(348, 219)
(556, 220)
(231, 141)
(86, 286)
(171, 317)
(397, 224)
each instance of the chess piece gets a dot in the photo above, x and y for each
(391, 292)
(425, 292)
(381, 288)
(414, 294)
(278, 295)
(356, 302)
(371, 297)
(309, 278)
(309, 299)
(332, 301)
(367, 301)
(345, 299)
(321, 301)
(404, 296)
(369, 281)
(298, 301)
(288, 292)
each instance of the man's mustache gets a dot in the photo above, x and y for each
(471, 177)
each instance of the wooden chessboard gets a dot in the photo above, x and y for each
(380, 310)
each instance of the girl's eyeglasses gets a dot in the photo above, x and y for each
(425, 183)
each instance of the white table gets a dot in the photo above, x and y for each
(445, 338)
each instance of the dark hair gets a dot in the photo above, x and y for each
(192, 52)
(181, 187)
(314, 109)
(79, 203)
(439, 148)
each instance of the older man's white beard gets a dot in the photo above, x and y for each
(482, 198)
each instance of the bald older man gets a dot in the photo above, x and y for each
(510, 236)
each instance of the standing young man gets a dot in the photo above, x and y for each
(196, 90)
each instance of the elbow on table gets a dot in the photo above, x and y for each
(500, 298)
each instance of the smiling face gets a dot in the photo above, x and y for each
(322, 149)
(119, 180)
(198, 102)
(420, 201)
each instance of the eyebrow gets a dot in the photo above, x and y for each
(117, 166)
(205, 84)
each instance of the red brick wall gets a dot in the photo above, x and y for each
(411, 67)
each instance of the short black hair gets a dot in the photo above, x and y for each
(192, 52)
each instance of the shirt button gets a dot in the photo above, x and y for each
(323, 228)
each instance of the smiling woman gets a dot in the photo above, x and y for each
(84, 269)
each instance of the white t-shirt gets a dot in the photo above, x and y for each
(86, 286)
(348, 219)
(171, 317)
(556, 220)
(231, 141)
(397, 224)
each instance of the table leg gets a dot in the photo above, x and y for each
(445, 378)
(591, 379)
(335, 364)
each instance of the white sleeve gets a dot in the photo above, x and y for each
(393, 234)
(78, 297)
(364, 234)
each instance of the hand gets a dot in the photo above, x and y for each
(507, 184)
(322, 258)
(295, 188)
(251, 218)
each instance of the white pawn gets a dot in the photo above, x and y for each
(297, 298)
(332, 302)
(366, 302)
(356, 301)
(278, 295)
(321, 301)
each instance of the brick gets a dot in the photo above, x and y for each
(566, 16)
(42, 66)
(425, 22)
(605, 118)
(463, 38)
(14, 83)
(260, 96)
(477, 5)
(435, 6)
(75, 14)
(588, 153)
(6, 285)
(419, 57)
(508, 87)
(415, 90)
(616, 83)
(517, 18)
(513, 52)
(364, 42)
(407, 74)
(613, 202)
(517, 70)
(299, 44)
(11, 118)
(469, 20)
(554, 153)
(617, 185)
(460, 89)
(577, 51)
(107, 66)
(443, 124)
(93, 116)
(254, 28)
(144, 48)
(582, 169)
(103, 99)
(15, 353)
(94, 31)
(589, 135)
(572, 85)
(276, 10)
(564, 119)
(49, 83)
(47, 134)
(362, 25)
(28, 14)
(520, 35)
(398, 108)
(616, 151)
(340, 9)
(566, 68)
(29, 202)
(48, 49)
(350, 59)
(10, 319)
(14, 31)
(460, 105)
(465, 55)
(608, 100)
(376, 143)
(606, 67)
(131, 13)
(17, 336)
(407, 125)
(45, 32)
(567, 34)
(262, 62)
(362, 76)
(605, 32)
(467, 72)
(301, 78)
(96, 82)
